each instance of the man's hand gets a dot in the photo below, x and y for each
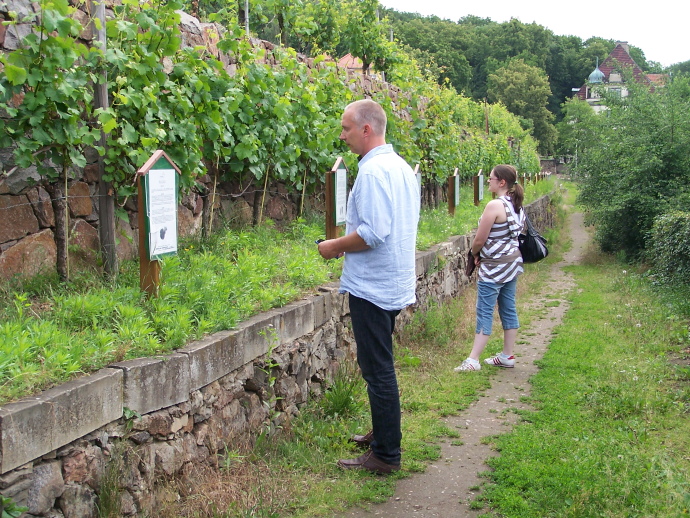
(328, 249)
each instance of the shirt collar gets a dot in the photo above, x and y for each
(378, 150)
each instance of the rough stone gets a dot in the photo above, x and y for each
(83, 18)
(15, 35)
(32, 255)
(15, 476)
(42, 206)
(169, 458)
(157, 423)
(187, 224)
(78, 502)
(180, 423)
(126, 241)
(47, 485)
(96, 463)
(75, 467)
(91, 173)
(140, 437)
(22, 8)
(127, 505)
(18, 218)
(279, 208)
(21, 178)
(84, 243)
(79, 200)
(238, 212)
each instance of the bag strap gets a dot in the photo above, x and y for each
(530, 229)
(510, 214)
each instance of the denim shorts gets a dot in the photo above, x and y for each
(488, 293)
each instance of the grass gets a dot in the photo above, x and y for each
(610, 433)
(608, 436)
(51, 332)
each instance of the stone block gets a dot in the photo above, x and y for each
(84, 243)
(150, 384)
(36, 426)
(126, 241)
(32, 255)
(254, 336)
(18, 218)
(42, 206)
(425, 261)
(79, 200)
(297, 319)
(323, 309)
(212, 358)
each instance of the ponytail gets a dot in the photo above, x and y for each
(517, 196)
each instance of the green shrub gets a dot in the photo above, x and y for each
(669, 252)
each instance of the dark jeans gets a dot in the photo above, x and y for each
(373, 330)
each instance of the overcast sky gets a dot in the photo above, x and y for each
(660, 28)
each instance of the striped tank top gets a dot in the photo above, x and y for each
(501, 260)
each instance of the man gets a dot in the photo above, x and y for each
(379, 272)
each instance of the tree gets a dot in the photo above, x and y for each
(524, 90)
(45, 92)
(365, 36)
(575, 131)
(637, 166)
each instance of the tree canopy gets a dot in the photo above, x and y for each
(524, 90)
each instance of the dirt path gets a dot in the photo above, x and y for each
(447, 487)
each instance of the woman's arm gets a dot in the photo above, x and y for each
(491, 212)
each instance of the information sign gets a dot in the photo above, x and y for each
(157, 216)
(481, 185)
(340, 194)
(418, 175)
(161, 211)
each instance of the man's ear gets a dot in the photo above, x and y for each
(366, 130)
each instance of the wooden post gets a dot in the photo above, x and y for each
(475, 184)
(331, 229)
(451, 195)
(149, 271)
(106, 198)
(335, 207)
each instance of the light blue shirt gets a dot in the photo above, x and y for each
(383, 208)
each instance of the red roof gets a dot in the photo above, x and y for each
(657, 79)
(618, 60)
(351, 62)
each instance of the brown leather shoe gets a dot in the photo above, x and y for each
(370, 462)
(363, 441)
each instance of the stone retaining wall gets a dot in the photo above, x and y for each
(155, 417)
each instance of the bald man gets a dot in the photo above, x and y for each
(378, 273)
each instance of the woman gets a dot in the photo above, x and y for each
(495, 250)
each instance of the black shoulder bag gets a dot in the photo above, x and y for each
(532, 245)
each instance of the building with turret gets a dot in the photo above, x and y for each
(610, 76)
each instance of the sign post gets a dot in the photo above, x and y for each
(453, 192)
(418, 175)
(336, 198)
(158, 182)
(478, 187)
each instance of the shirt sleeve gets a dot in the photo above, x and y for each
(375, 210)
